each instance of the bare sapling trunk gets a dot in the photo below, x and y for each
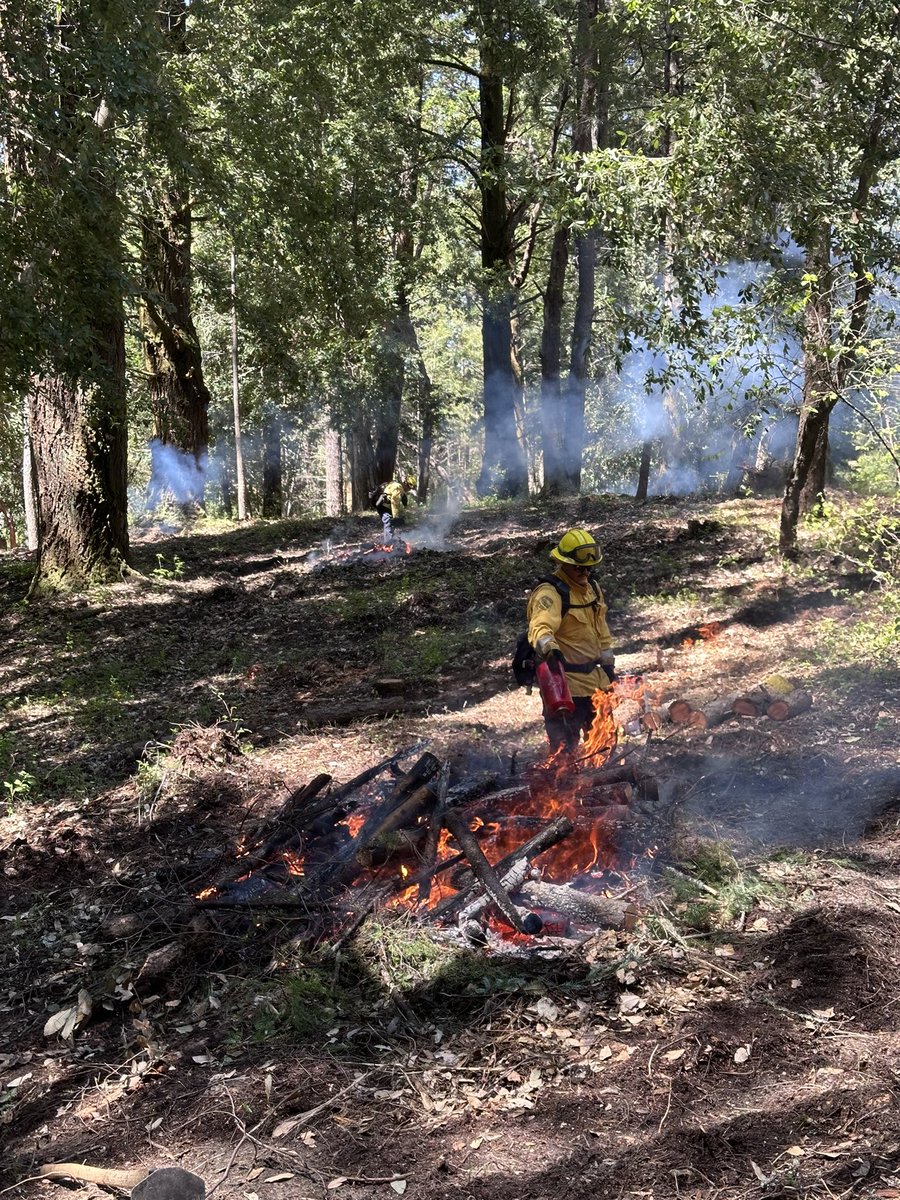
(819, 394)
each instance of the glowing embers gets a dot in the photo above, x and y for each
(395, 548)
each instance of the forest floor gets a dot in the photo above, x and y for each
(743, 1039)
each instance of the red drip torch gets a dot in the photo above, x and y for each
(554, 686)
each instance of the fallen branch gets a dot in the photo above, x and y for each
(282, 830)
(107, 1176)
(488, 877)
(435, 825)
(347, 789)
(553, 833)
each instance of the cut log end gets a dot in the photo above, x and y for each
(680, 711)
(792, 705)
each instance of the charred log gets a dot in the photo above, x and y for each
(435, 824)
(549, 836)
(487, 876)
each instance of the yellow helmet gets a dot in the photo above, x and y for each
(577, 548)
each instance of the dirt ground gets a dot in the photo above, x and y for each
(742, 1040)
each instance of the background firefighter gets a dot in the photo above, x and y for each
(580, 638)
(391, 505)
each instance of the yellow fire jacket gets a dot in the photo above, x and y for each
(582, 634)
(394, 493)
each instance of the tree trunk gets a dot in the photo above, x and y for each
(821, 388)
(29, 489)
(272, 488)
(393, 371)
(576, 385)
(590, 131)
(504, 468)
(79, 434)
(551, 344)
(77, 411)
(334, 471)
(426, 439)
(362, 462)
(807, 476)
(179, 397)
(643, 482)
(670, 444)
(418, 388)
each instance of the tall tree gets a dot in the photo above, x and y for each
(504, 468)
(590, 133)
(864, 138)
(179, 397)
(70, 77)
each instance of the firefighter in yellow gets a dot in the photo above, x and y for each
(567, 620)
(391, 505)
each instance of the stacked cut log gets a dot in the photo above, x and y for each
(756, 701)
(713, 714)
(655, 718)
(779, 697)
(679, 711)
(776, 696)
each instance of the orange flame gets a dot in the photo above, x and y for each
(603, 733)
(707, 633)
(354, 822)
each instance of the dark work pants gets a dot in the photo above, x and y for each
(565, 729)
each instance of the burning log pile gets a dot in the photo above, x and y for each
(530, 855)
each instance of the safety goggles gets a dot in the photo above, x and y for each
(584, 556)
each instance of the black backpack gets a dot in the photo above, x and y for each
(523, 661)
(376, 495)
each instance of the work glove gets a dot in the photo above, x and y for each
(547, 648)
(608, 663)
